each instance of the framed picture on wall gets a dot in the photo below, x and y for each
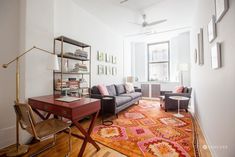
(200, 47)
(114, 71)
(100, 56)
(108, 70)
(215, 56)
(221, 7)
(211, 29)
(195, 56)
(114, 59)
(100, 69)
(107, 58)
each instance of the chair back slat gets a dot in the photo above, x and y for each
(25, 117)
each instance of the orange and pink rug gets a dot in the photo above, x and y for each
(147, 130)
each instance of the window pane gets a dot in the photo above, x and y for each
(158, 72)
(158, 52)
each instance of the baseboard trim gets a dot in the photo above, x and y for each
(7, 136)
(197, 120)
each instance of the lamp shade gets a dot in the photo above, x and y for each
(130, 79)
(53, 63)
(183, 67)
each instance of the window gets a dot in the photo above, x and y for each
(158, 61)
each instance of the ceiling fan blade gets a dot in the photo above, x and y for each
(156, 22)
(123, 1)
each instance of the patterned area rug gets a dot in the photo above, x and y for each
(147, 130)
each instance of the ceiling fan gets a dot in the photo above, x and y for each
(146, 24)
(123, 1)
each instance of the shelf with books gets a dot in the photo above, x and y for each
(73, 73)
(73, 57)
(76, 64)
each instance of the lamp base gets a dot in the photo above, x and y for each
(22, 149)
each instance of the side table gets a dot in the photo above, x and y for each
(179, 98)
(105, 100)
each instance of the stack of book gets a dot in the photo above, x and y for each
(58, 85)
(73, 85)
(80, 68)
(81, 54)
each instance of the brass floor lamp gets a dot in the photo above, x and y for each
(19, 149)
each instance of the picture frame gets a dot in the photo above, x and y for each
(200, 47)
(216, 56)
(108, 70)
(211, 30)
(100, 56)
(114, 59)
(100, 69)
(114, 71)
(107, 58)
(195, 56)
(221, 7)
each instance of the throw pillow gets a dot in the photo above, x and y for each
(179, 89)
(129, 88)
(103, 90)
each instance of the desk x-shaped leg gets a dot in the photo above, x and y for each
(87, 134)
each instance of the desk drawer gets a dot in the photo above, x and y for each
(54, 109)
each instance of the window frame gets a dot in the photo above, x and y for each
(168, 60)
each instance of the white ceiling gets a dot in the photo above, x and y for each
(179, 13)
(135, 5)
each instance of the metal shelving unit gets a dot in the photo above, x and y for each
(85, 47)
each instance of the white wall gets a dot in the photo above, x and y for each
(214, 89)
(74, 22)
(27, 23)
(39, 31)
(9, 43)
(180, 54)
(139, 61)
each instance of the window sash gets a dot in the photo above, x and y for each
(150, 62)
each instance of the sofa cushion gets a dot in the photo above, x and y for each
(120, 100)
(95, 90)
(185, 90)
(179, 89)
(103, 90)
(120, 89)
(112, 90)
(129, 88)
(133, 95)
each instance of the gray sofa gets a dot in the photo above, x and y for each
(170, 104)
(120, 99)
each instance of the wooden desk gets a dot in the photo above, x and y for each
(74, 111)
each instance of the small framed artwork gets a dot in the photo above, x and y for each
(114, 59)
(221, 7)
(211, 29)
(195, 56)
(108, 70)
(100, 69)
(114, 71)
(100, 56)
(215, 56)
(107, 58)
(200, 47)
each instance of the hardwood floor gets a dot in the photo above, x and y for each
(61, 147)
(202, 142)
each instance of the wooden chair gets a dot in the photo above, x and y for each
(40, 130)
